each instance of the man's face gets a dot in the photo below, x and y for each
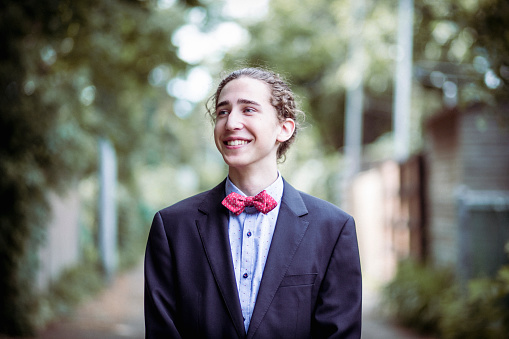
(247, 131)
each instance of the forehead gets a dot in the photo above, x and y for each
(246, 88)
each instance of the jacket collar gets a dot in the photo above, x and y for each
(212, 226)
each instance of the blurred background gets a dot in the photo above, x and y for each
(103, 123)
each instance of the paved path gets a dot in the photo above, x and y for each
(117, 313)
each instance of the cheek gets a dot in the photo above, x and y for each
(216, 130)
(217, 136)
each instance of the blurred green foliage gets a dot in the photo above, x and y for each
(464, 42)
(429, 300)
(73, 286)
(72, 71)
(415, 294)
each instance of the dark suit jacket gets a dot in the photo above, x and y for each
(311, 285)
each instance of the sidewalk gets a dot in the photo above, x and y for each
(117, 313)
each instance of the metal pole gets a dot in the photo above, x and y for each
(107, 208)
(403, 81)
(354, 99)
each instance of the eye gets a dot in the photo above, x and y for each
(222, 112)
(249, 110)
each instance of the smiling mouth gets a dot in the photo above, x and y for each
(236, 142)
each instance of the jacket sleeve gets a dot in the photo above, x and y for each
(160, 298)
(339, 303)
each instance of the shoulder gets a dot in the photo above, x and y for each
(315, 208)
(185, 205)
(190, 206)
(322, 207)
(317, 202)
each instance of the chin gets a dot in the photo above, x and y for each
(235, 162)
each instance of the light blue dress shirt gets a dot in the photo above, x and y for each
(250, 238)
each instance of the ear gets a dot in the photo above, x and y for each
(287, 129)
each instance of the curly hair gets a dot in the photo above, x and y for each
(283, 100)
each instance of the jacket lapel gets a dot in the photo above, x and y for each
(288, 234)
(213, 229)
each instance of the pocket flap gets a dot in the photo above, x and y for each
(300, 279)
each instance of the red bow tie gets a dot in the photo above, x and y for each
(262, 201)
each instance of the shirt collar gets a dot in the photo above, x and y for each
(275, 190)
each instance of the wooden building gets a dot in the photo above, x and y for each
(467, 190)
(447, 206)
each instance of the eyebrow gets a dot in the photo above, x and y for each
(240, 101)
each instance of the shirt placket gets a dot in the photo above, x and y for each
(247, 265)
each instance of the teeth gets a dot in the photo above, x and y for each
(236, 142)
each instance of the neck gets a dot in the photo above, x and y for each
(252, 183)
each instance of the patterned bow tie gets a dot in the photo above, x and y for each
(262, 201)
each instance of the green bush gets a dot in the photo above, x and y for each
(431, 301)
(134, 219)
(414, 296)
(480, 310)
(72, 287)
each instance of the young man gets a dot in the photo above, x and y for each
(253, 257)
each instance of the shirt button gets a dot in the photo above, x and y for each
(249, 234)
(245, 276)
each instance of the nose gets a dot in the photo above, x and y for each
(234, 120)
